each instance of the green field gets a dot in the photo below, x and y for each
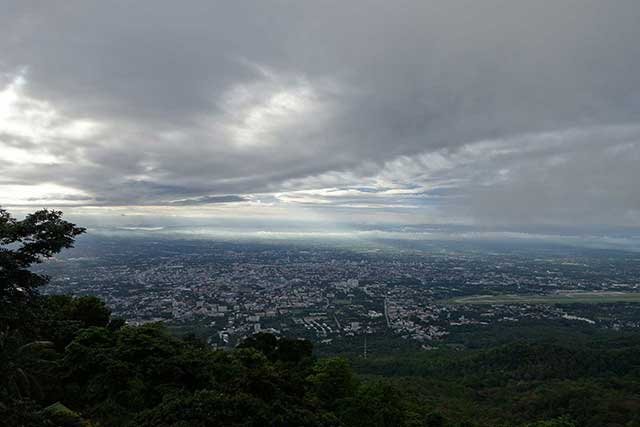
(560, 298)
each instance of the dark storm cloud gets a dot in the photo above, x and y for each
(188, 101)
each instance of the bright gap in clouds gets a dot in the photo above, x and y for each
(31, 131)
(261, 112)
(41, 195)
(37, 120)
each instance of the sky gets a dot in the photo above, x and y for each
(512, 116)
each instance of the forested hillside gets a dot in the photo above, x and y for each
(69, 363)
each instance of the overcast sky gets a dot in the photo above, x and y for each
(494, 113)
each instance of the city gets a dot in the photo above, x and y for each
(226, 291)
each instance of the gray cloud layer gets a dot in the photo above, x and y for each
(517, 112)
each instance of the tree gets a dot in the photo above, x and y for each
(295, 351)
(22, 243)
(332, 380)
(286, 350)
(434, 419)
(263, 342)
(558, 422)
(375, 404)
(89, 310)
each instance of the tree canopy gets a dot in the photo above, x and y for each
(39, 235)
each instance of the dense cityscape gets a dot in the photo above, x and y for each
(224, 291)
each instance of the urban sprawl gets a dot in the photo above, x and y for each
(227, 291)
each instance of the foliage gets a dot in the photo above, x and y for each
(144, 376)
(332, 380)
(40, 235)
(60, 415)
(558, 422)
